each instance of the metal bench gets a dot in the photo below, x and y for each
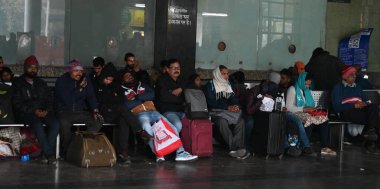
(58, 138)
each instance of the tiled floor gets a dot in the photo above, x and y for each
(350, 169)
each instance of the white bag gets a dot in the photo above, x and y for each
(267, 104)
(165, 139)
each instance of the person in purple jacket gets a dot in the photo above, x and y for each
(353, 105)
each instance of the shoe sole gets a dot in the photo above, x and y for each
(183, 160)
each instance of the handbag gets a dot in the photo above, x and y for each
(7, 150)
(231, 117)
(165, 139)
(144, 107)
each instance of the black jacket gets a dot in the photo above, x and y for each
(71, 98)
(29, 97)
(166, 101)
(326, 70)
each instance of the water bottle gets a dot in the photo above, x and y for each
(25, 157)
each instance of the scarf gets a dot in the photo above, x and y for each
(300, 85)
(222, 87)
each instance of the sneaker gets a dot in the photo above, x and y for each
(370, 135)
(372, 149)
(245, 156)
(328, 151)
(185, 156)
(233, 153)
(44, 160)
(160, 159)
(52, 160)
(241, 152)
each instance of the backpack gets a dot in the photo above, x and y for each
(6, 111)
(196, 105)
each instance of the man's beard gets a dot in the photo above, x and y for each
(31, 74)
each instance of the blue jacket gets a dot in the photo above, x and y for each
(142, 92)
(70, 97)
(363, 83)
(344, 97)
(221, 103)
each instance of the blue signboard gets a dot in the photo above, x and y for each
(354, 49)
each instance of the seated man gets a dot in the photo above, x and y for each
(32, 102)
(75, 103)
(222, 98)
(136, 93)
(97, 67)
(131, 65)
(350, 101)
(170, 98)
(6, 75)
(110, 98)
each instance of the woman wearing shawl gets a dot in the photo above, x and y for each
(225, 111)
(299, 99)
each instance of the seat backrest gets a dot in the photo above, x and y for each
(373, 96)
(321, 99)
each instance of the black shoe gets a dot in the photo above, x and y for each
(370, 135)
(293, 151)
(373, 149)
(308, 151)
(124, 159)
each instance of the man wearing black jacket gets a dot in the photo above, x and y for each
(75, 103)
(132, 65)
(169, 91)
(32, 101)
(111, 99)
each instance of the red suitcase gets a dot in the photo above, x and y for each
(196, 136)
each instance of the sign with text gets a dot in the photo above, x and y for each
(354, 49)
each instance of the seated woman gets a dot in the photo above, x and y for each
(137, 93)
(299, 99)
(224, 108)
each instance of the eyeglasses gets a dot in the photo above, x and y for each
(175, 68)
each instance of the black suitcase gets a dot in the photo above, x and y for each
(269, 133)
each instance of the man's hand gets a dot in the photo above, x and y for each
(308, 109)
(137, 66)
(360, 105)
(98, 117)
(177, 92)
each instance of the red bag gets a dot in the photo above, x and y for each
(165, 139)
(318, 113)
(29, 143)
(196, 136)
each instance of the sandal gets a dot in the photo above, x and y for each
(328, 151)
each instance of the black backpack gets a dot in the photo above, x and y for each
(196, 105)
(6, 111)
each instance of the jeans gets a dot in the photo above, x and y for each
(46, 140)
(305, 143)
(176, 119)
(147, 119)
(323, 133)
